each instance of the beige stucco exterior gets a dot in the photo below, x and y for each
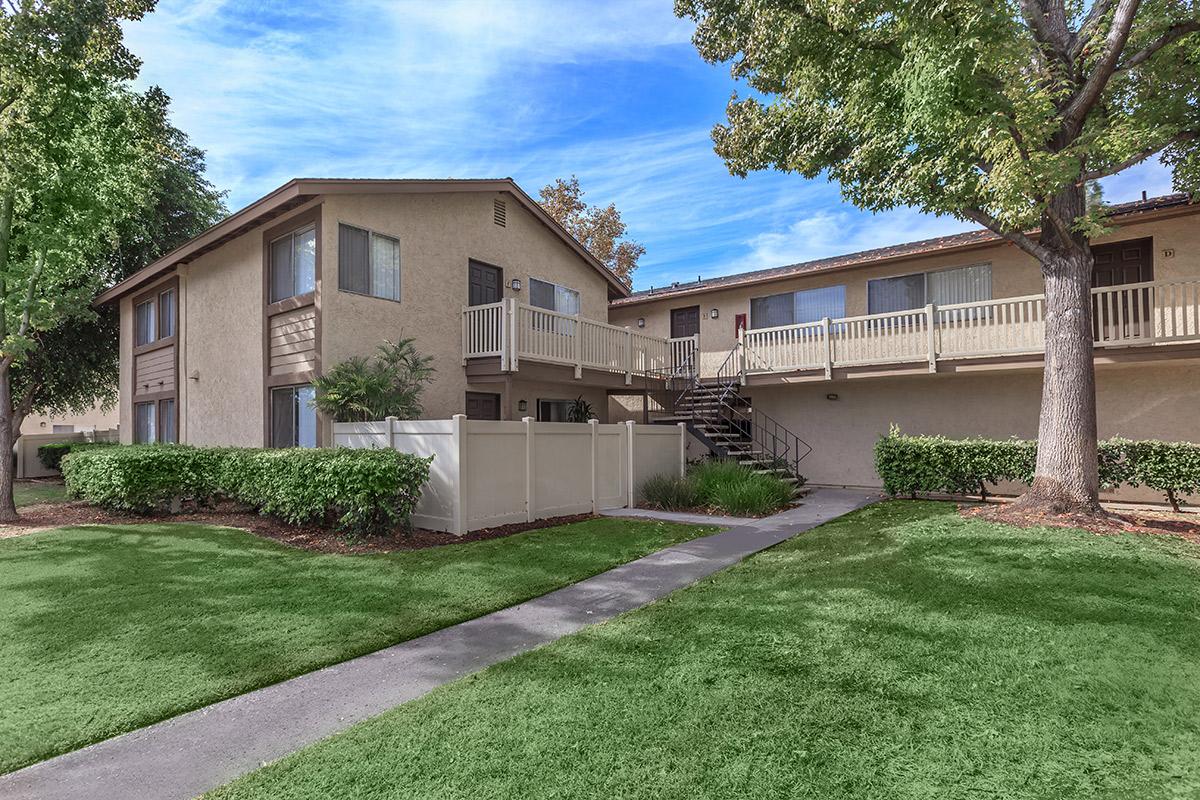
(222, 384)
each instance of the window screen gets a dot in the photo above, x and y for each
(144, 423)
(293, 264)
(166, 314)
(368, 263)
(145, 320)
(904, 292)
(944, 287)
(797, 308)
(166, 420)
(544, 294)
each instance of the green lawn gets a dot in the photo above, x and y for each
(899, 652)
(26, 493)
(108, 628)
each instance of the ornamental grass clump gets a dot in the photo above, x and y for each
(718, 485)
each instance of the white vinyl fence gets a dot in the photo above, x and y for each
(487, 473)
(28, 464)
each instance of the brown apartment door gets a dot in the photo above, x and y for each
(484, 284)
(482, 405)
(1126, 315)
(685, 321)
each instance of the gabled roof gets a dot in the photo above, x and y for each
(958, 242)
(299, 191)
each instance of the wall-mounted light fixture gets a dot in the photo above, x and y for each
(831, 396)
(641, 322)
(522, 406)
(714, 314)
(516, 284)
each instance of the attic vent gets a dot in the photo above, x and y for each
(499, 212)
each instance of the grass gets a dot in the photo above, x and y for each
(27, 493)
(109, 628)
(899, 652)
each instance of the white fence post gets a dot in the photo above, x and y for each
(391, 432)
(629, 434)
(594, 425)
(628, 356)
(682, 449)
(741, 358)
(509, 335)
(930, 319)
(460, 474)
(530, 497)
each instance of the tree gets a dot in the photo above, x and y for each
(597, 228)
(76, 158)
(998, 113)
(74, 367)
(390, 385)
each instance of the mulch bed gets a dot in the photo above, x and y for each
(1156, 523)
(44, 516)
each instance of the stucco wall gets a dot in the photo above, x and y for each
(96, 419)
(1013, 274)
(439, 234)
(1135, 401)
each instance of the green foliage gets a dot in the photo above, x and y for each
(51, 455)
(580, 410)
(358, 491)
(724, 486)
(670, 493)
(389, 385)
(911, 464)
(597, 228)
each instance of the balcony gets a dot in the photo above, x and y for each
(1141, 315)
(500, 337)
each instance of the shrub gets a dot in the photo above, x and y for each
(390, 384)
(722, 485)
(358, 491)
(670, 493)
(51, 455)
(936, 464)
(142, 478)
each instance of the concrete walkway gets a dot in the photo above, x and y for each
(190, 754)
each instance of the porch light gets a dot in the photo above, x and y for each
(831, 396)
(516, 284)
(522, 405)
(641, 322)
(713, 314)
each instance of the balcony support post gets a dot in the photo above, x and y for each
(509, 333)
(628, 356)
(827, 339)
(931, 334)
(741, 356)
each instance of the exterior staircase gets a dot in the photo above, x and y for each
(717, 415)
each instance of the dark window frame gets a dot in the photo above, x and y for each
(297, 407)
(138, 438)
(290, 236)
(343, 273)
(151, 332)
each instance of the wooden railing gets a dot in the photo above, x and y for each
(1132, 314)
(514, 331)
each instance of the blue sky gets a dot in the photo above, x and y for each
(533, 89)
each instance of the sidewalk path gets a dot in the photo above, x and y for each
(188, 755)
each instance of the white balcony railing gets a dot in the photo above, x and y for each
(515, 331)
(1132, 314)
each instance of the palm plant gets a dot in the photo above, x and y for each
(580, 410)
(362, 389)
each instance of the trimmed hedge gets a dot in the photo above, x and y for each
(51, 455)
(912, 464)
(357, 491)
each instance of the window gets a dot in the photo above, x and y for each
(553, 297)
(166, 314)
(553, 410)
(906, 292)
(144, 422)
(797, 308)
(166, 420)
(368, 263)
(293, 418)
(293, 264)
(145, 321)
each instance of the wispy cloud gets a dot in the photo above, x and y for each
(535, 89)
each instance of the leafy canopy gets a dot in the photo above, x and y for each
(598, 228)
(983, 110)
(363, 389)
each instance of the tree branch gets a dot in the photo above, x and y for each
(1114, 44)
(39, 262)
(1020, 239)
(1088, 28)
(1172, 34)
(1137, 158)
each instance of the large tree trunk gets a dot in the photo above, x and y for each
(1066, 480)
(8, 509)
